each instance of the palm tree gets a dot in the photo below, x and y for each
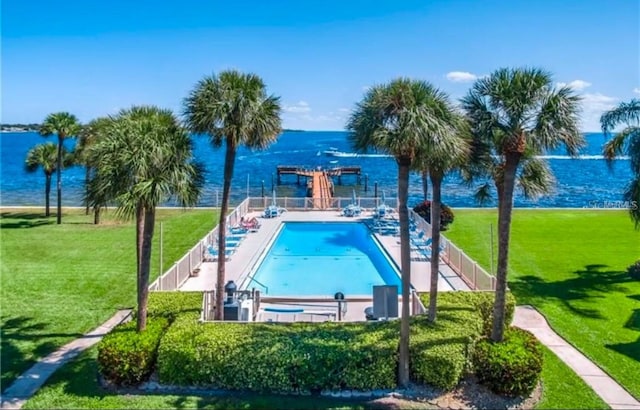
(627, 140)
(88, 137)
(516, 114)
(445, 152)
(144, 159)
(45, 156)
(402, 118)
(232, 108)
(64, 125)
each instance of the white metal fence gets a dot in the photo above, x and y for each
(473, 274)
(175, 276)
(469, 270)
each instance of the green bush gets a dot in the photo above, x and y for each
(446, 213)
(634, 270)
(171, 304)
(126, 357)
(481, 301)
(511, 367)
(279, 357)
(440, 352)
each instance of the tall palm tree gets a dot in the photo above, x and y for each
(144, 159)
(233, 109)
(64, 125)
(517, 113)
(445, 152)
(627, 140)
(43, 156)
(88, 137)
(402, 118)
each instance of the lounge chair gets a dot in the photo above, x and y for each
(211, 253)
(352, 210)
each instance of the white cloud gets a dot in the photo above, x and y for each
(576, 84)
(299, 107)
(637, 90)
(461, 76)
(366, 88)
(593, 105)
(344, 110)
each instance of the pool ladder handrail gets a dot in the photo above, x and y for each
(266, 288)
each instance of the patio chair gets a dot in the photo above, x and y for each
(211, 254)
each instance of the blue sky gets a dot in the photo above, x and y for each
(93, 58)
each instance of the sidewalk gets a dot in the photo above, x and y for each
(30, 381)
(528, 318)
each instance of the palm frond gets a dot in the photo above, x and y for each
(535, 178)
(625, 113)
(632, 197)
(483, 194)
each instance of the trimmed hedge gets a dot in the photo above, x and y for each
(313, 357)
(126, 357)
(511, 367)
(172, 304)
(482, 301)
(440, 352)
(280, 357)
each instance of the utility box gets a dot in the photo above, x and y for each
(385, 301)
(231, 311)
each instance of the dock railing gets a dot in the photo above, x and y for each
(474, 275)
(307, 204)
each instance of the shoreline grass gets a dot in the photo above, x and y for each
(571, 265)
(60, 281)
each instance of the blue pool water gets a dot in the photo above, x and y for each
(320, 259)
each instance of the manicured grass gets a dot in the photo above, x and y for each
(60, 281)
(570, 264)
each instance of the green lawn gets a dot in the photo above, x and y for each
(570, 264)
(60, 281)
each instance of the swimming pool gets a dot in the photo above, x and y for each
(322, 258)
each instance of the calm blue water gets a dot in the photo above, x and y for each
(580, 182)
(320, 259)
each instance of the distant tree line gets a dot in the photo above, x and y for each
(23, 127)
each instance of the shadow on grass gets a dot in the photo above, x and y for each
(24, 331)
(589, 283)
(632, 349)
(19, 220)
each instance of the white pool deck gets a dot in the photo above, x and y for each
(255, 243)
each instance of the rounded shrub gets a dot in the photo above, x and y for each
(634, 270)
(511, 367)
(446, 213)
(126, 357)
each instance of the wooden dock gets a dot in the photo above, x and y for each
(319, 183)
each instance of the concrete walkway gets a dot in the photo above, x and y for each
(528, 318)
(30, 381)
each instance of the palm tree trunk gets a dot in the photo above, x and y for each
(436, 182)
(145, 266)
(505, 208)
(96, 215)
(405, 262)
(229, 160)
(87, 176)
(425, 183)
(47, 195)
(59, 179)
(139, 240)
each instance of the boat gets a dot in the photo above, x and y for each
(333, 153)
